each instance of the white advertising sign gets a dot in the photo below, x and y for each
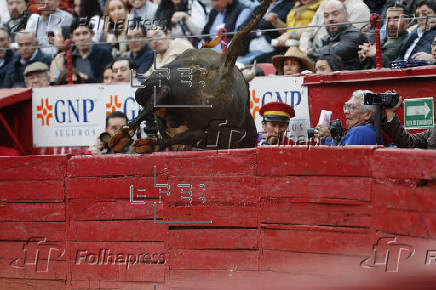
(75, 116)
(285, 89)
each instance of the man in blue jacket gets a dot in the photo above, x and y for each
(359, 123)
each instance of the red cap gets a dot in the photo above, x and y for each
(277, 111)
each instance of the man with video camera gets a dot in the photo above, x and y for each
(392, 126)
(114, 122)
(359, 124)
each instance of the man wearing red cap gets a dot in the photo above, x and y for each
(275, 121)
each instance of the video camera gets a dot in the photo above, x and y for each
(384, 99)
(335, 129)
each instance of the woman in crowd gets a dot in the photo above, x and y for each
(186, 17)
(115, 26)
(107, 74)
(300, 15)
(293, 62)
(90, 9)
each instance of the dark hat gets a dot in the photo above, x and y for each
(34, 67)
(276, 112)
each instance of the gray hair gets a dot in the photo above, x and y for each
(359, 95)
(21, 32)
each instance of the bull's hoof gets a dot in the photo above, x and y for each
(145, 146)
(120, 139)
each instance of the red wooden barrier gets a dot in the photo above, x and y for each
(282, 218)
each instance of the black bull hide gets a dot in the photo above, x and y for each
(200, 99)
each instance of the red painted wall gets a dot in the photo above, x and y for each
(282, 218)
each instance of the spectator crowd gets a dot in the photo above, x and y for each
(294, 35)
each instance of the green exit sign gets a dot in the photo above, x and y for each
(418, 113)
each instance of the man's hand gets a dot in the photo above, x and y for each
(321, 132)
(422, 56)
(271, 17)
(97, 147)
(366, 50)
(179, 15)
(390, 112)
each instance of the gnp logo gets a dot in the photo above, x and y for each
(292, 98)
(38, 254)
(126, 105)
(44, 112)
(65, 110)
(387, 253)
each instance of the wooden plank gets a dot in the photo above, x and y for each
(299, 160)
(214, 165)
(404, 163)
(32, 167)
(315, 188)
(215, 189)
(401, 222)
(132, 230)
(120, 261)
(96, 209)
(214, 279)
(310, 241)
(115, 285)
(192, 238)
(45, 212)
(230, 260)
(111, 187)
(115, 165)
(284, 211)
(408, 194)
(41, 190)
(28, 284)
(309, 263)
(16, 231)
(229, 216)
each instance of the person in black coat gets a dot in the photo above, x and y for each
(7, 59)
(141, 52)
(342, 40)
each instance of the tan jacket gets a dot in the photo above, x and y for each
(176, 48)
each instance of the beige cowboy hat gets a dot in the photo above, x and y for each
(294, 52)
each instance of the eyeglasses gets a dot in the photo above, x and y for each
(349, 107)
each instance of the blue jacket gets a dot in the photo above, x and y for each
(359, 135)
(20, 68)
(7, 70)
(423, 45)
(144, 59)
(99, 57)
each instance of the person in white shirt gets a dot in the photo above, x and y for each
(51, 18)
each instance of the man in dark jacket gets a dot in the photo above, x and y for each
(7, 59)
(418, 45)
(394, 129)
(397, 23)
(140, 52)
(27, 54)
(90, 59)
(342, 40)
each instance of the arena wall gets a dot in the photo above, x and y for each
(282, 218)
